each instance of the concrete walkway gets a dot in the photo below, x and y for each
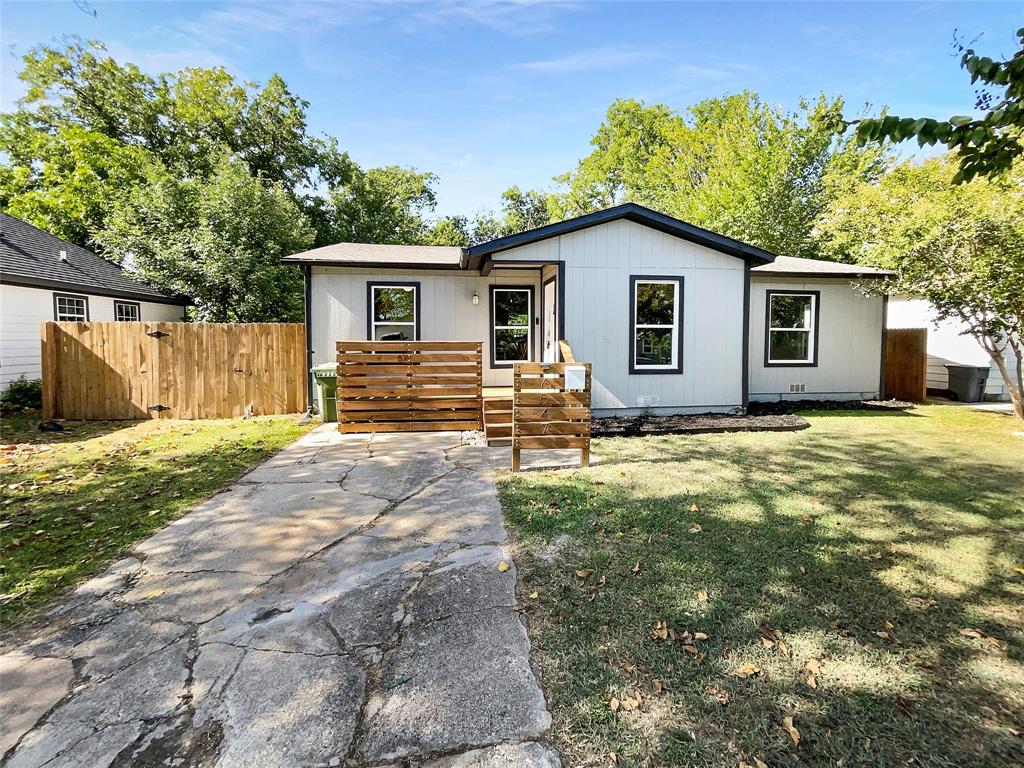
(344, 604)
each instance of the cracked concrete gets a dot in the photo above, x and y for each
(341, 605)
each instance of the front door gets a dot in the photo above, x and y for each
(549, 302)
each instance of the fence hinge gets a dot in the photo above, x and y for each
(158, 334)
(159, 407)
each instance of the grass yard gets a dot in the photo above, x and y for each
(74, 501)
(865, 578)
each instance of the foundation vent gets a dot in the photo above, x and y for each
(794, 388)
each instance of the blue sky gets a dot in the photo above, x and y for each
(490, 94)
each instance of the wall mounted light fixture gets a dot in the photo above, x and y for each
(476, 298)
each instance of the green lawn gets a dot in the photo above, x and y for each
(864, 577)
(74, 501)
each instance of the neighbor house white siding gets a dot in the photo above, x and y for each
(339, 301)
(598, 264)
(849, 343)
(23, 310)
(947, 343)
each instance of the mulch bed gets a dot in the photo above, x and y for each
(793, 406)
(630, 426)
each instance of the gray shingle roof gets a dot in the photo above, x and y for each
(31, 256)
(791, 265)
(372, 255)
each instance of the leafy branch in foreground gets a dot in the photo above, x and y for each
(985, 146)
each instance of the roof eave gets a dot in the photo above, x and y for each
(26, 281)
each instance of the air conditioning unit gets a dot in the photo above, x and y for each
(796, 388)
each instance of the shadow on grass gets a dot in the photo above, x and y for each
(22, 428)
(831, 541)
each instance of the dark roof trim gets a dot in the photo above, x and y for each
(631, 212)
(824, 275)
(57, 285)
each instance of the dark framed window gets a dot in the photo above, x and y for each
(791, 328)
(655, 324)
(127, 311)
(68, 307)
(393, 311)
(511, 325)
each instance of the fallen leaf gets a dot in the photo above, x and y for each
(702, 595)
(503, 566)
(629, 704)
(657, 685)
(803, 570)
(660, 630)
(584, 572)
(636, 568)
(794, 734)
(534, 595)
(613, 705)
(746, 670)
(811, 680)
(759, 763)
(783, 649)
(694, 508)
(699, 636)
(813, 666)
(695, 528)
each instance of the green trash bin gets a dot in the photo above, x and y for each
(326, 377)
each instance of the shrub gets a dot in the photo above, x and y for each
(24, 393)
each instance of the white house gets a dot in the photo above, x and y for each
(45, 278)
(948, 342)
(674, 318)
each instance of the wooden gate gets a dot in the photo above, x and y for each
(906, 364)
(409, 386)
(545, 414)
(172, 370)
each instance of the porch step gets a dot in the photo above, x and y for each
(498, 420)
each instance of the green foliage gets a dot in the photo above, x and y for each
(735, 165)
(218, 241)
(141, 168)
(985, 146)
(520, 211)
(23, 393)
(960, 246)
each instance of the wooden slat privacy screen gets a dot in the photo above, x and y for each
(409, 386)
(544, 415)
(172, 370)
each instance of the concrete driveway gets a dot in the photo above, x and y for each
(344, 604)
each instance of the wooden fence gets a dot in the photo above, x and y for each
(409, 386)
(906, 364)
(547, 415)
(172, 370)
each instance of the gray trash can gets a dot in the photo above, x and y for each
(967, 382)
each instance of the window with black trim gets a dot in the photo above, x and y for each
(68, 308)
(655, 327)
(511, 325)
(791, 328)
(127, 311)
(394, 311)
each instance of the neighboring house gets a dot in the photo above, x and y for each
(674, 318)
(45, 278)
(948, 342)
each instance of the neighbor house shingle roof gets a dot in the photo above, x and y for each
(31, 256)
(372, 255)
(791, 265)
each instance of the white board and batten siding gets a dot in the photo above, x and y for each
(23, 310)
(598, 264)
(339, 295)
(849, 344)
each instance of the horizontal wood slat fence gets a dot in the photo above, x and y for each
(409, 386)
(172, 370)
(545, 414)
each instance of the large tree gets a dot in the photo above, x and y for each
(986, 145)
(218, 241)
(736, 165)
(93, 137)
(960, 246)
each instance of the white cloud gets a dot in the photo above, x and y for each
(590, 60)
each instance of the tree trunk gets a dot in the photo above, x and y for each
(1013, 387)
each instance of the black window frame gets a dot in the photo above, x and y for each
(56, 314)
(136, 304)
(531, 326)
(370, 285)
(814, 332)
(644, 370)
